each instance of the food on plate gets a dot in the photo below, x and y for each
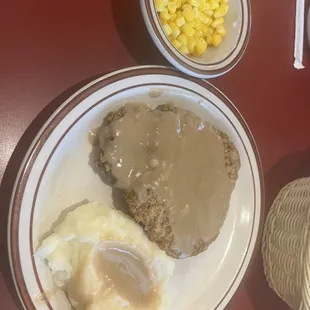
(176, 170)
(103, 260)
(193, 25)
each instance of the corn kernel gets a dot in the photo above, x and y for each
(196, 12)
(209, 12)
(188, 15)
(217, 22)
(204, 19)
(210, 39)
(184, 50)
(180, 21)
(210, 32)
(221, 30)
(182, 38)
(194, 2)
(159, 5)
(172, 7)
(191, 42)
(192, 23)
(198, 34)
(186, 7)
(214, 5)
(198, 24)
(178, 3)
(201, 46)
(175, 30)
(221, 11)
(205, 30)
(164, 15)
(167, 30)
(188, 29)
(176, 43)
(210, 21)
(217, 39)
(224, 1)
(206, 7)
(173, 17)
(202, 5)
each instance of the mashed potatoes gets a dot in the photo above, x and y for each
(103, 260)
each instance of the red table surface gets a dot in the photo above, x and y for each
(48, 49)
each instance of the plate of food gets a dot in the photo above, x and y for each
(143, 190)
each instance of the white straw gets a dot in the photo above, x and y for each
(299, 34)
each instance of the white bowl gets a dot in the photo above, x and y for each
(216, 61)
(56, 174)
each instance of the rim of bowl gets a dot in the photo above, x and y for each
(186, 64)
(44, 133)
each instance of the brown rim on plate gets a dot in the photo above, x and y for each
(213, 72)
(34, 150)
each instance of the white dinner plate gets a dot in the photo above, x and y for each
(55, 174)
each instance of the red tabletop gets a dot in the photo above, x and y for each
(48, 49)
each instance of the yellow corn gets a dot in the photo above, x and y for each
(176, 43)
(164, 15)
(193, 2)
(216, 39)
(188, 30)
(221, 11)
(180, 21)
(178, 3)
(206, 7)
(191, 42)
(196, 12)
(198, 24)
(217, 22)
(173, 17)
(159, 5)
(210, 32)
(188, 15)
(186, 7)
(172, 7)
(184, 50)
(204, 18)
(214, 4)
(205, 30)
(175, 30)
(210, 39)
(167, 30)
(198, 34)
(201, 46)
(183, 39)
(193, 25)
(221, 30)
(209, 12)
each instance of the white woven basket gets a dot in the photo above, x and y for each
(286, 245)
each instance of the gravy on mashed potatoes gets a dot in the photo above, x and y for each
(103, 260)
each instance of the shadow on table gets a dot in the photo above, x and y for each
(11, 173)
(289, 168)
(132, 30)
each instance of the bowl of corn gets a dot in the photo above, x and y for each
(203, 38)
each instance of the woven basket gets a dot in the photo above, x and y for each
(286, 245)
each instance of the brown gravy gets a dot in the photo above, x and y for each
(181, 159)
